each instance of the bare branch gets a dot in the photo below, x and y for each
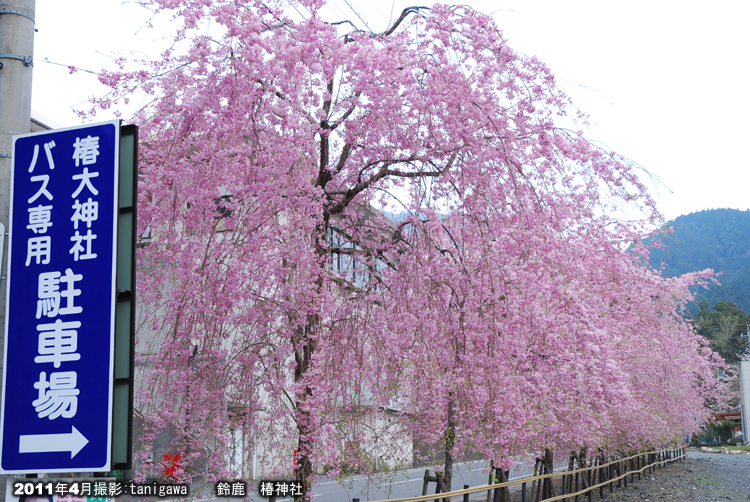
(401, 174)
(344, 22)
(364, 185)
(404, 14)
(345, 116)
(344, 156)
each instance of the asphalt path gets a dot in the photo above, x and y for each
(403, 484)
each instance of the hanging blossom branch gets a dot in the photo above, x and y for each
(500, 316)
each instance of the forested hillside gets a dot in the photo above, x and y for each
(715, 238)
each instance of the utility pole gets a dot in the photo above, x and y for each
(16, 65)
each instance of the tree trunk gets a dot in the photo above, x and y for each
(491, 480)
(450, 441)
(536, 485)
(305, 345)
(581, 465)
(450, 431)
(506, 490)
(304, 348)
(571, 466)
(550, 468)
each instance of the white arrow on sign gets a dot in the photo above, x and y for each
(47, 443)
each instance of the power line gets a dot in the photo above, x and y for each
(70, 67)
(377, 9)
(339, 13)
(295, 8)
(360, 17)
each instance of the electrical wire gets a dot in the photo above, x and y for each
(360, 17)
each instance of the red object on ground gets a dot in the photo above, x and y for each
(171, 463)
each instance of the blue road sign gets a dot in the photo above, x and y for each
(59, 324)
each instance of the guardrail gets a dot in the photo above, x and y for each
(593, 477)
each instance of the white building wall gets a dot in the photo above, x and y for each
(745, 399)
(272, 453)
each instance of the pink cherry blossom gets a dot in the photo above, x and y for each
(499, 313)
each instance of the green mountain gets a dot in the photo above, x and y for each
(717, 239)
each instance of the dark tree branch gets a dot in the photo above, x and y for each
(346, 21)
(382, 173)
(404, 14)
(324, 175)
(344, 156)
(401, 174)
(364, 185)
(345, 116)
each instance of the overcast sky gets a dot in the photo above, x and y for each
(665, 83)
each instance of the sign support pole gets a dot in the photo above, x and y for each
(122, 430)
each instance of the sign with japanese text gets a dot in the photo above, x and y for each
(58, 366)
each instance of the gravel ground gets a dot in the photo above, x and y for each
(703, 477)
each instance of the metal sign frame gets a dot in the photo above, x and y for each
(124, 378)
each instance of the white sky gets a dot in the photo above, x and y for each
(664, 82)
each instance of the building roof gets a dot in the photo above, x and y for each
(735, 416)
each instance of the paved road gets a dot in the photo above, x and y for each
(404, 484)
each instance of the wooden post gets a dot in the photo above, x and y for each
(617, 472)
(491, 480)
(441, 488)
(534, 483)
(638, 466)
(544, 483)
(550, 468)
(438, 484)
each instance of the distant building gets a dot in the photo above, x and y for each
(37, 125)
(745, 397)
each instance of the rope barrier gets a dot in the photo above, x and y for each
(483, 488)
